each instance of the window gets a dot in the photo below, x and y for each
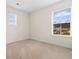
(12, 19)
(61, 22)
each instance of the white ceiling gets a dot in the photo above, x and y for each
(30, 5)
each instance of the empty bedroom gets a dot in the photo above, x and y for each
(38, 29)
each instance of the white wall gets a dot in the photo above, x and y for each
(37, 24)
(40, 28)
(21, 30)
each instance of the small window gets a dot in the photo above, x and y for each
(12, 19)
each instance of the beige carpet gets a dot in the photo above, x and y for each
(29, 49)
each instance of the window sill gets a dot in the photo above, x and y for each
(61, 35)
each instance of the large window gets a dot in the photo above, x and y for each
(61, 22)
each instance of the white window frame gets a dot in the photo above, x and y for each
(52, 22)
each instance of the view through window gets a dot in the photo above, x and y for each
(61, 21)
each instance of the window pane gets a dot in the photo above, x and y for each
(65, 28)
(12, 19)
(56, 29)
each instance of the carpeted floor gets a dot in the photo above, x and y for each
(29, 49)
